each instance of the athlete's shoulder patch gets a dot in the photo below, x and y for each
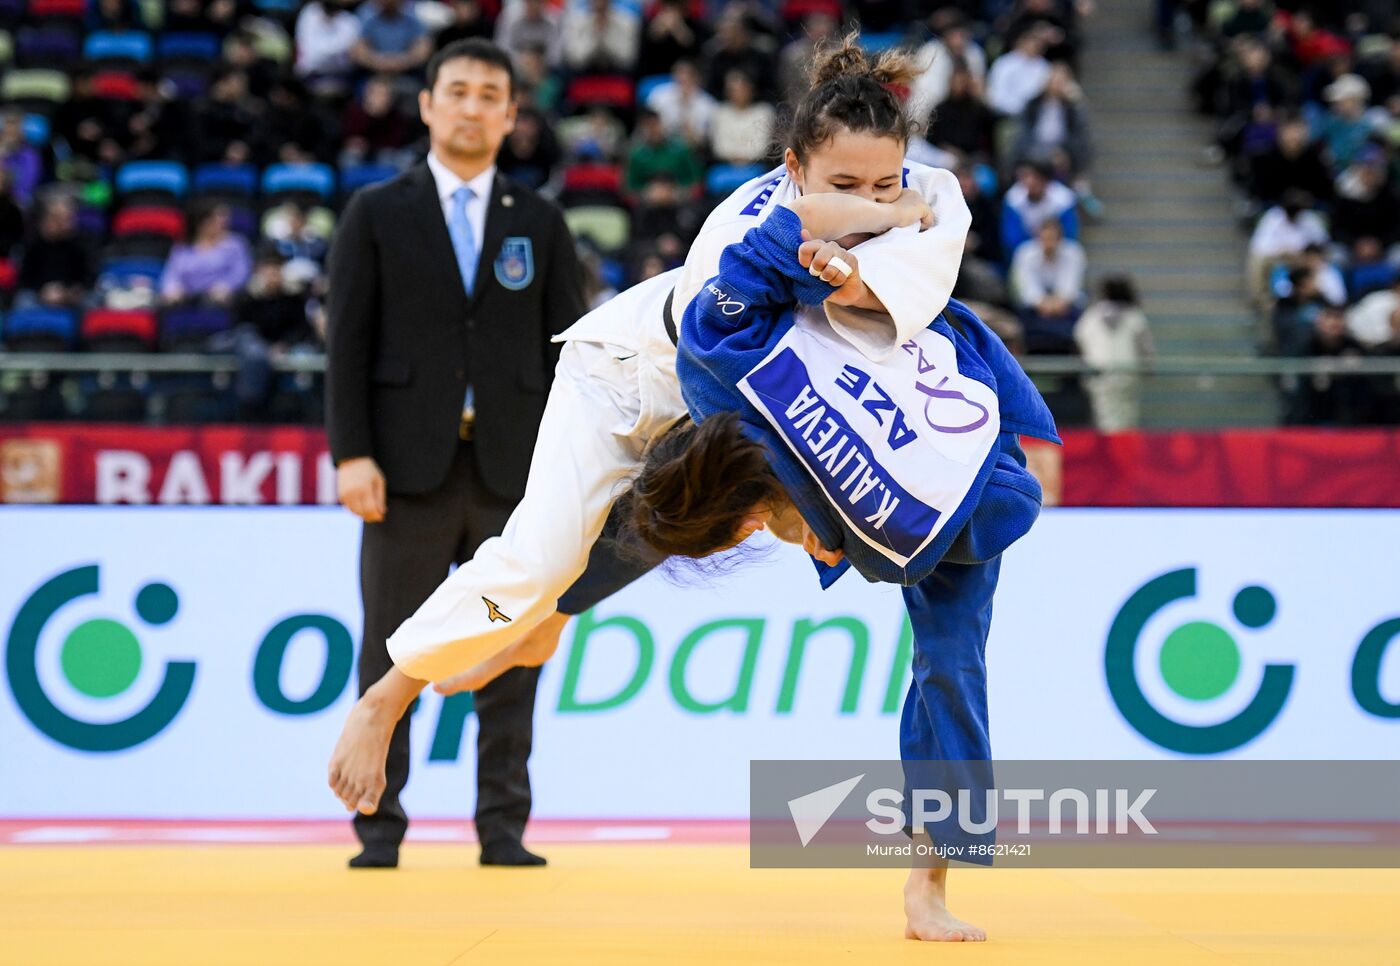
(493, 611)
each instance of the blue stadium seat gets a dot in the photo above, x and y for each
(725, 178)
(107, 45)
(313, 178)
(188, 46)
(277, 6)
(646, 85)
(36, 129)
(122, 271)
(356, 176)
(190, 85)
(879, 43)
(41, 328)
(52, 46)
(168, 177)
(226, 179)
(189, 327)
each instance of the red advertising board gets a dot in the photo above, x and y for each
(289, 465)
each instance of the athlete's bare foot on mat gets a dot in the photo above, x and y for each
(532, 650)
(927, 912)
(356, 773)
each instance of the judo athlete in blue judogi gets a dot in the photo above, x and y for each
(907, 470)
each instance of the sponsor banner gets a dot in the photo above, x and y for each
(1294, 467)
(177, 465)
(285, 465)
(198, 663)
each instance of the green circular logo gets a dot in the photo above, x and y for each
(1200, 660)
(101, 658)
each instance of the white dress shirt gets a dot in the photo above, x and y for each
(447, 184)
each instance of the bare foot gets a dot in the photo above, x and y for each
(926, 911)
(357, 764)
(532, 650)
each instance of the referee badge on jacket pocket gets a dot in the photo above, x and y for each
(515, 265)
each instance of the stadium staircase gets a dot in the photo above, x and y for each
(1169, 222)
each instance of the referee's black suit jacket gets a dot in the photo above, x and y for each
(407, 339)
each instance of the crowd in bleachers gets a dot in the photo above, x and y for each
(170, 172)
(1308, 97)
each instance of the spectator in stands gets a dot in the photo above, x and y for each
(110, 15)
(272, 320)
(289, 130)
(1055, 124)
(1309, 43)
(1382, 73)
(671, 34)
(1366, 203)
(19, 157)
(1252, 97)
(212, 266)
(530, 24)
(1368, 271)
(325, 32)
(1369, 321)
(1034, 199)
(536, 83)
(795, 58)
(1294, 161)
(392, 40)
(11, 217)
(1337, 399)
(530, 152)
(226, 123)
(1330, 284)
(1053, 19)
(1295, 312)
(1344, 128)
(963, 122)
(685, 108)
(1249, 17)
(601, 38)
(600, 137)
(300, 248)
(657, 154)
(95, 129)
(241, 54)
(952, 49)
(1283, 231)
(190, 16)
(469, 19)
(56, 268)
(1047, 278)
(374, 129)
(735, 47)
(274, 304)
(741, 131)
(1113, 332)
(1019, 74)
(985, 233)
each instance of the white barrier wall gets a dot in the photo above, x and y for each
(189, 663)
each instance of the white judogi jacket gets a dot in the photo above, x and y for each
(616, 388)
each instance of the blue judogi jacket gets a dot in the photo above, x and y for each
(738, 353)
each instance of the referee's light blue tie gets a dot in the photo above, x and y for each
(459, 227)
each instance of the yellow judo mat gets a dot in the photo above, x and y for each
(635, 903)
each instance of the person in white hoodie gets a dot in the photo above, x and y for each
(1113, 332)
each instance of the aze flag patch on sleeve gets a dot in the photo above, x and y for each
(515, 265)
